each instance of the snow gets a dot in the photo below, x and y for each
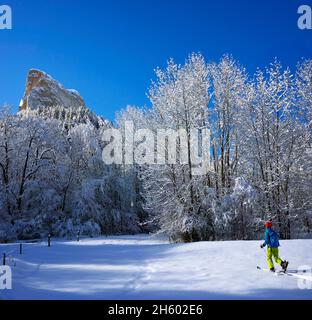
(145, 267)
(73, 91)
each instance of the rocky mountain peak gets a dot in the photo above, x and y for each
(43, 91)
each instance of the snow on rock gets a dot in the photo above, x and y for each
(43, 91)
(47, 98)
(143, 267)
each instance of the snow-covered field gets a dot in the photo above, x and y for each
(142, 267)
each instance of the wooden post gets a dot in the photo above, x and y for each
(78, 236)
(21, 248)
(49, 240)
(4, 258)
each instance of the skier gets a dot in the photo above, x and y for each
(272, 241)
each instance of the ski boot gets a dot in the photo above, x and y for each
(272, 270)
(284, 265)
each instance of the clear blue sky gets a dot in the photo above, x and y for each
(107, 50)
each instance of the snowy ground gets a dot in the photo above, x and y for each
(140, 267)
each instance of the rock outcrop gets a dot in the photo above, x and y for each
(43, 91)
(47, 98)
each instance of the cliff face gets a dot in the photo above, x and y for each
(43, 91)
(47, 98)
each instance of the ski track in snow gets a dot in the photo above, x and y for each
(142, 267)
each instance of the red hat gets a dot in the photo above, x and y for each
(269, 224)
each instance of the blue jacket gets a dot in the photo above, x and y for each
(271, 238)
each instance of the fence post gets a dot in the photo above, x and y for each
(78, 236)
(49, 240)
(21, 248)
(4, 258)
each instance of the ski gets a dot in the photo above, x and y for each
(280, 272)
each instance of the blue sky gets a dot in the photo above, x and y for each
(107, 50)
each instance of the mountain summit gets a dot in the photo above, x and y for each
(46, 97)
(43, 91)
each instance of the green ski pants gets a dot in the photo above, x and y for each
(273, 252)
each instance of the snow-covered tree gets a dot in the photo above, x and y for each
(53, 178)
